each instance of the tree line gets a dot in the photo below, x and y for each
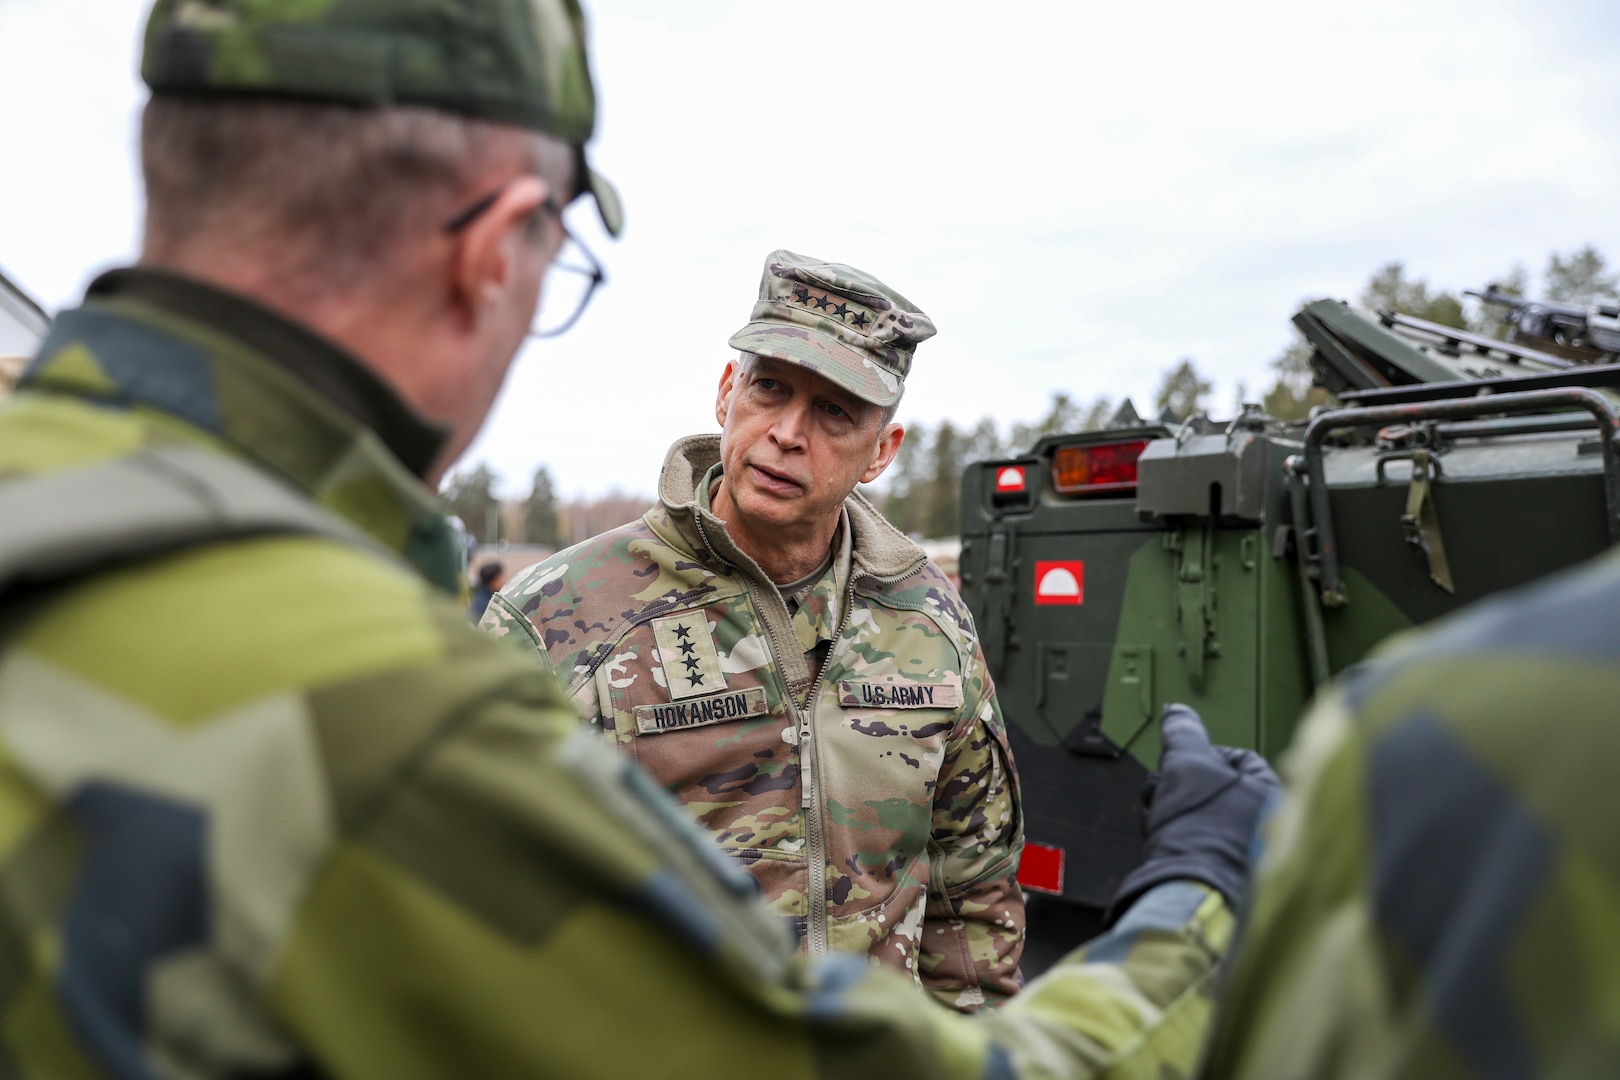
(539, 518)
(921, 491)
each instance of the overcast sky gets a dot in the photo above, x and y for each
(1079, 194)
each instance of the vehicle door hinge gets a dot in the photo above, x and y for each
(1195, 596)
(997, 628)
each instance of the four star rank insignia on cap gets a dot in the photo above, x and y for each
(822, 303)
(687, 652)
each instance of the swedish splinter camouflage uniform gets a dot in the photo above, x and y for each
(1441, 898)
(876, 804)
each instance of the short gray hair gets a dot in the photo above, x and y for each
(889, 411)
(323, 193)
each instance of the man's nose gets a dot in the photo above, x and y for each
(790, 427)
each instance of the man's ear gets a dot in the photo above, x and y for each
(722, 397)
(888, 445)
(486, 250)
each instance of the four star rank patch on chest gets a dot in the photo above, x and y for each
(686, 649)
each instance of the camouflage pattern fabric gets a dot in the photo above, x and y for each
(837, 321)
(269, 807)
(877, 803)
(185, 382)
(519, 62)
(1441, 898)
(515, 63)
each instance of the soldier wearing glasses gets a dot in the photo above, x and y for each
(268, 805)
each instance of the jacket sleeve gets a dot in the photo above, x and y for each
(502, 619)
(505, 621)
(1306, 995)
(515, 897)
(973, 926)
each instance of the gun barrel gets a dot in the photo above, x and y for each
(1489, 295)
(1522, 305)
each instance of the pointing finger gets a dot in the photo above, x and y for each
(1183, 732)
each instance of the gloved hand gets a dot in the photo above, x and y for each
(1203, 814)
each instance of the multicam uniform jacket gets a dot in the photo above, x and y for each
(269, 807)
(1440, 899)
(875, 801)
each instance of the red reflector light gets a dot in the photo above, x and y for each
(1041, 868)
(1010, 478)
(1097, 468)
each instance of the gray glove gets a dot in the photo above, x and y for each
(1203, 814)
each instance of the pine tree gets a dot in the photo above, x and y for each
(1182, 390)
(540, 525)
(1581, 279)
(471, 496)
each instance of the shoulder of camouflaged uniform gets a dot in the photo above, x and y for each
(1441, 892)
(632, 566)
(890, 566)
(533, 601)
(929, 590)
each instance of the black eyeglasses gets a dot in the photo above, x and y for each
(563, 297)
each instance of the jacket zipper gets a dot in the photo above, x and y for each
(817, 839)
(803, 717)
(809, 794)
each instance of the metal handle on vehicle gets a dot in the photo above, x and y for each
(1326, 553)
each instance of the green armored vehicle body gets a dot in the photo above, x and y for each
(1236, 566)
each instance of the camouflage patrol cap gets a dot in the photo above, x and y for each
(519, 62)
(837, 321)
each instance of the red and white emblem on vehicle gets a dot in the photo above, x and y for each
(1060, 582)
(1010, 478)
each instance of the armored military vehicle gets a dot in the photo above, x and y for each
(1237, 566)
(22, 326)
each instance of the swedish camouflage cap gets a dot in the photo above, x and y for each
(519, 62)
(836, 321)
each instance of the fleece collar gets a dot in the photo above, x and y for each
(880, 550)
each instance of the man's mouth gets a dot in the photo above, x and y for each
(775, 482)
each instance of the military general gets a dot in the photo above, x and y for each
(790, 666)
(270, 807)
